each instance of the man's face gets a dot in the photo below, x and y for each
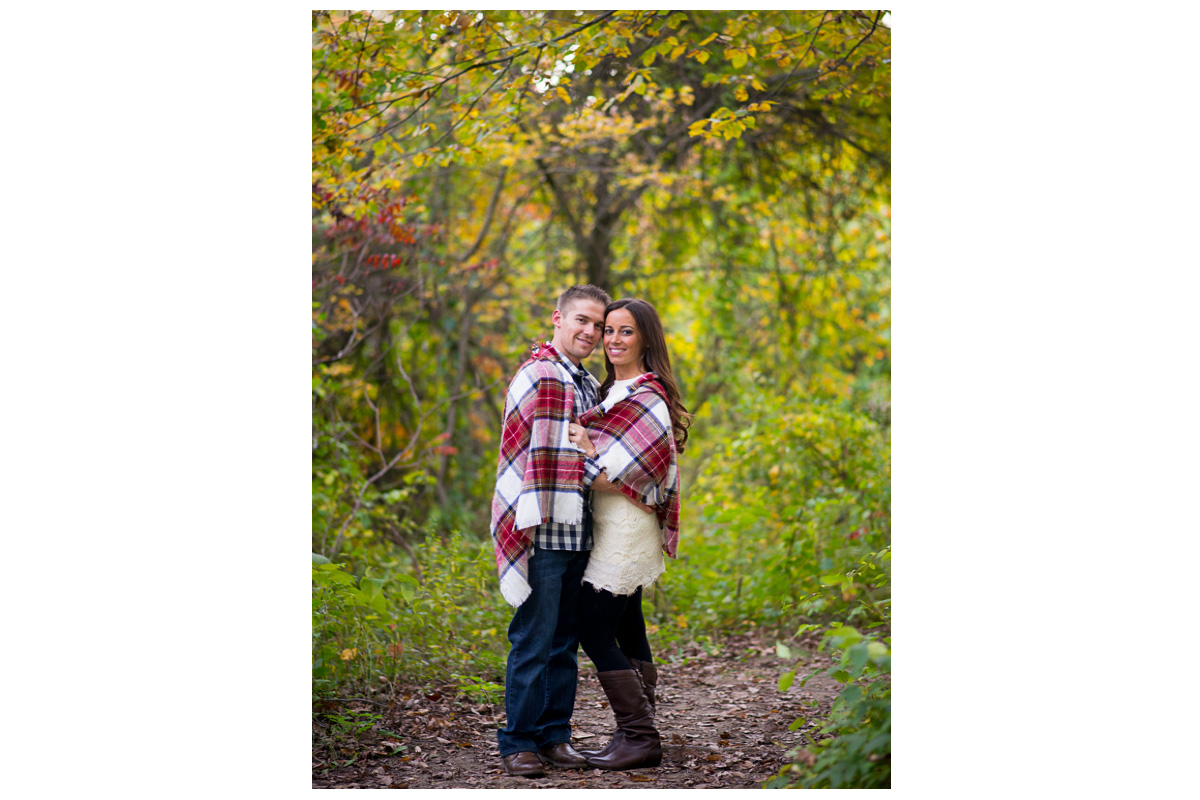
(578, 328)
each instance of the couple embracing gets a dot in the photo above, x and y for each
(586, 504)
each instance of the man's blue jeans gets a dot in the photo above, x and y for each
(539, 684)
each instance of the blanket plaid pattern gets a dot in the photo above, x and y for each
(540, 473)
(631, 430)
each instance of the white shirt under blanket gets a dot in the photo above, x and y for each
(626, 542)
(626, 545)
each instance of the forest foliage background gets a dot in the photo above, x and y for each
(732, 168)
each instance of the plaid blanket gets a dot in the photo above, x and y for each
(540, 473)
(631, 430)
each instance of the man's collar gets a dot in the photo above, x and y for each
(576, 369)
(546, 350)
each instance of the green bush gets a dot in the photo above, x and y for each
(789, 520)
(440, 621)
(859, 754)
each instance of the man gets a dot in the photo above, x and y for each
(541, 526)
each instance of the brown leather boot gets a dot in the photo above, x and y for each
(636, 743)
(614, 742)
(648, 673)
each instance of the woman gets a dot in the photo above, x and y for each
(635, 435)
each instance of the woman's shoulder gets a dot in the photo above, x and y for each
(643, 390)
(647, 388)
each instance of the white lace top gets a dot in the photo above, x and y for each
(626, 544)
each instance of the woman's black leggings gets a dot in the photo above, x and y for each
(611, 628)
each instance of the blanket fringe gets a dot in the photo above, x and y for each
(529, 515)
(515, 590)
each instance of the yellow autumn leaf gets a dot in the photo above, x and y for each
(562, 93)
(741, 94)
(349, 653)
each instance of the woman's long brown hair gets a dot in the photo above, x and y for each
(656, 359)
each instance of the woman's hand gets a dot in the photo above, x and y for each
(578, 436)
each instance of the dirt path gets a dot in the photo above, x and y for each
(722, 719)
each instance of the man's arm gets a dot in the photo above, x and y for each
(592, 471)
(602, 484)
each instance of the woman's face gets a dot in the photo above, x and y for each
(622, 340)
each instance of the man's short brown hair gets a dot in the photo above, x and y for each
(582, 292)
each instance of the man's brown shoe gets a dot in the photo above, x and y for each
(523, 764)
(563, 755)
